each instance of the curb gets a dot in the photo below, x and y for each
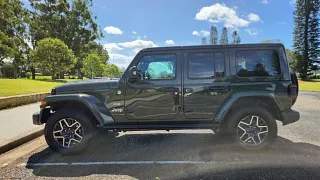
(21, 139)
(13, 101)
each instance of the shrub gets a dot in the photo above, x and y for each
(28, 75)
(7, 70)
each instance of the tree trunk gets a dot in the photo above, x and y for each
(61, 75)
(33, 72)
(15, 72)
(52, 77)
(79, 74)
(306, 43)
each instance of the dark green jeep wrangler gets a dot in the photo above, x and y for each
(235, 90)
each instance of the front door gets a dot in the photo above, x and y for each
(156, 95)
(206, 84)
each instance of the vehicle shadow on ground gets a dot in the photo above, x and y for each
(284, 160)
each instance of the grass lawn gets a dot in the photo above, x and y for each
(48, 78)
(313, 85)
(10, 87)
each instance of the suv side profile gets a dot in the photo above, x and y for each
(236, 90)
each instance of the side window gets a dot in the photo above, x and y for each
(205, 65)
(155, 67)
(257, 63)
(219, 64)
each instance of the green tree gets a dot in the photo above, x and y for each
(93, 65)
(203, 41)
(314, 33)
(81, 29)
(235, 37)
(74, 25)
(12, 28)
(94, 47)
(213, 35)
(224, 36)
(306, 35)
(53, 55)
(292, 59)
(48, 18)
(112, 70)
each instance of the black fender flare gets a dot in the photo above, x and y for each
(225, 108)
(97, 108)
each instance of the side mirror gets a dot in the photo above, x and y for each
(133, 73)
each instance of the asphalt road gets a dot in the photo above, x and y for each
(184, 155)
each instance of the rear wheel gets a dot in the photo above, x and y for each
(254, 128)
(68, 132)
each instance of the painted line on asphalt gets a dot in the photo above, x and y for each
(124, 163)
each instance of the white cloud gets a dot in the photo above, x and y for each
(220, 13)
(112, 47)
(195, 33)
(136, 50)
(137, 44)
(252, 31)
(133, 32)
(201, 33)
(169, 42)
(120, 59)
(113, 30)
(265, 1)
(253, 17)
(205, 33)
(123, 60)
(145, 36)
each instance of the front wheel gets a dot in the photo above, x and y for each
(254, 128)
(68, 132)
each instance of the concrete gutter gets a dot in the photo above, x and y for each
(21, 139)
(13, 101)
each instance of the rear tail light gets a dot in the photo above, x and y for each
(292, 90)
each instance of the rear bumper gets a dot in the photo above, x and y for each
(290, 117)
(36, 118)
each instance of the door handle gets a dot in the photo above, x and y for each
(171, 89)
(188, 90)
(217, 89)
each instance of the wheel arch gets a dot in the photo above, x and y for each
(88, 104)
(267, 100)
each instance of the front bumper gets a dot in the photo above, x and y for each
(36, 118)
(290, 117)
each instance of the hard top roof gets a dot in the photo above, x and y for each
(218, 46)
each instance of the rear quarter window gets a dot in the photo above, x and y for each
(257, 63)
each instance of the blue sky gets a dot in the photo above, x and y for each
(130, 25)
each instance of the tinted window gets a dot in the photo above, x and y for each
(157, 67)
(205, 65)
(257, 63)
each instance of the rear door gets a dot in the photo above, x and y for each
(205, 82)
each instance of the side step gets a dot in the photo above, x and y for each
(160, 126)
